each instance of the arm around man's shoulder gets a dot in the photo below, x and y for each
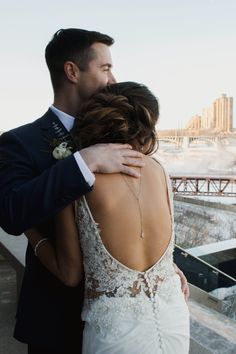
(29, 196)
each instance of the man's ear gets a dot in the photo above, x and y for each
(71, 71)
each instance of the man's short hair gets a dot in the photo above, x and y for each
(71, 44)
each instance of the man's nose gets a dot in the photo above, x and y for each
(112, 79)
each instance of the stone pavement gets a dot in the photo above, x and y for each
(8, 345)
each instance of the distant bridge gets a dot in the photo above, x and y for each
(186, 141)
(224, 186)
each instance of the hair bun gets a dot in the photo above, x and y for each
(121, 113)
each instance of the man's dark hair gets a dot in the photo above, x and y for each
(71, 44)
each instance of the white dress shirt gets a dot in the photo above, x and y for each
(68, 122)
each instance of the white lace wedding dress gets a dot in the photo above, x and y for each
(127, 311)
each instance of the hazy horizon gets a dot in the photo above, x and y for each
(183, 51)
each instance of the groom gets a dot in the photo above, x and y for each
(35, 184)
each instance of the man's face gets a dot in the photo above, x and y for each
(98, 74)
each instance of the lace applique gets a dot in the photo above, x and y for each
(112, 287)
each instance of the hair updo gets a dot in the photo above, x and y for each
(125, 112)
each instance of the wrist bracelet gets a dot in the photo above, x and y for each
(37, 245)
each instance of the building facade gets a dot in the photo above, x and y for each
(223, 113)
(218, 117)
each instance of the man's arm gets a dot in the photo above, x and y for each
(27, 200)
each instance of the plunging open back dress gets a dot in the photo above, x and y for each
(128, 311)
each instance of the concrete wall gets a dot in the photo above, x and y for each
(198, 222)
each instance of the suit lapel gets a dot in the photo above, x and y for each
(53, 127)
(54, 131)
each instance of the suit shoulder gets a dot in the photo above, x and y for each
(29, 127)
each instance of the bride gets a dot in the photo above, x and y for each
(120, 237)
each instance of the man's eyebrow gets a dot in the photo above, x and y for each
(108, 64)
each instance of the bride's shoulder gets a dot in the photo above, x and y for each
(156, 162)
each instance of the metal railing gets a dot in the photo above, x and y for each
(200, 273)
(223, 186)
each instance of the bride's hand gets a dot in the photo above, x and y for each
(184, 283)
(112, 158)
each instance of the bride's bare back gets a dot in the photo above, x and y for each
(116, 210)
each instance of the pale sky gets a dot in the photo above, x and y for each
(183, 50)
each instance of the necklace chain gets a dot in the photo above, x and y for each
(137, 197)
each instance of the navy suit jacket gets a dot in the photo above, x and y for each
(33, 188)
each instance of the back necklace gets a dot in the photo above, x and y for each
(137, 198)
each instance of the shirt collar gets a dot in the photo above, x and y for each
(66, 119)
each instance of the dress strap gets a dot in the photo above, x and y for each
(88, 210)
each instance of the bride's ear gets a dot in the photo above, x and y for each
(71, 71)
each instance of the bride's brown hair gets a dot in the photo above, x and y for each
(125, 112)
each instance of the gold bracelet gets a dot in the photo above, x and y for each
(37, 245)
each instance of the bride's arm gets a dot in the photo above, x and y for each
(64, 259)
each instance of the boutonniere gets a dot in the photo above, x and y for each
(62, 151)
(62, 145)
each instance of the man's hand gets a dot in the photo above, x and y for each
(184, 283)
(112, 158)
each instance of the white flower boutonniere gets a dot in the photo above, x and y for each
(62, 151)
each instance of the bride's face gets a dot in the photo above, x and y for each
(98, 73)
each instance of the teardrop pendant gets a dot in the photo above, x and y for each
(142, 235)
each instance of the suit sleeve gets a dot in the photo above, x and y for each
(28, 199)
